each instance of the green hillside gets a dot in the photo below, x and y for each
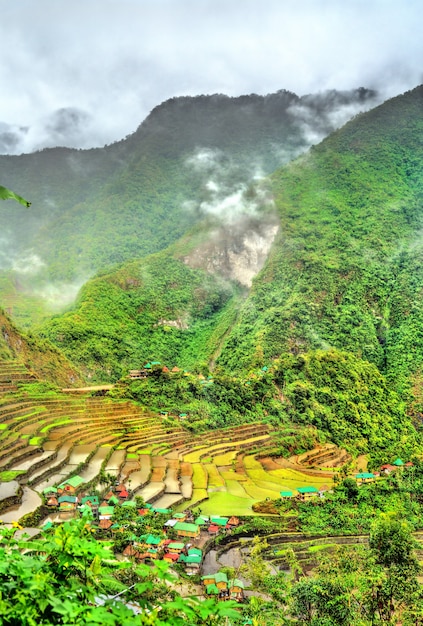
(346, 269)
(152, 309)
(94, 209)
(39, 356)
(333, 318)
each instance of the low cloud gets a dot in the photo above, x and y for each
(28, 273)
(227, 191)
(28, 265)
(60, 295)
(113, 61)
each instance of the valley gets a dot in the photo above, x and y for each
(47, 438)
(235, 358)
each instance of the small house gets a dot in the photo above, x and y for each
(236, 590)
(212, 590)
(176, 547)
(213, 529)
(221, 581)
(387, 468)
(171, 557)
(219, 521)
(184, 529)
(67, 503)
(286, 494)
(207, 579)
(105, 524)
(106, 512)
(365, 477)
(70, 485)
(307, 492)
(91, 501)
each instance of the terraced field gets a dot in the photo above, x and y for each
(45, 439)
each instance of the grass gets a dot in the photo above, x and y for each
(54, 424)
(229, 475)
(199, 476)
(197, 496)
(8, 475)
(235, 488)
(215, 479)
(224, 503)
(226, 458)
(36, 441)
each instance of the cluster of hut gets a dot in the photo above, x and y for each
(305, 493)
(186, 530)
(218, 585)
(384, 470)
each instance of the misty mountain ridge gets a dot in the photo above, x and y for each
(297, 294)
(193, 157)
(334, 251)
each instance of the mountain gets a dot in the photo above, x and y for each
(39, 356)
(334, 315)
(345, 270)
(191, 158)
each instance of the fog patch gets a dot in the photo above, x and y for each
(227, 191)
(29, 275)
(28, 265)
(60, 295)
(318, 115)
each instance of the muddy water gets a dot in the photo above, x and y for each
(56, 479)
(186, 487)
(141, 476)
(80, 453)
(61, 455)
(115, 462)
(24, 465)
(30, 501)
(167, 501)
(171, 481)
(94, 465)
(151, 490)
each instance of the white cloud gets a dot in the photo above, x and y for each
(114, 60)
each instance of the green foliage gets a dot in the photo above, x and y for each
(67, 577)
(355, 586)
(7, 194)
(157, 309)
(347, 398)
(353, 510)
(345, 271)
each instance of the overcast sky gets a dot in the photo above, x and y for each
(87, 72)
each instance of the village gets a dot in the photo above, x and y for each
(145, 533)
(176, 538)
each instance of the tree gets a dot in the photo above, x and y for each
(68, 578)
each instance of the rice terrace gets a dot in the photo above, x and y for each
(45, 440)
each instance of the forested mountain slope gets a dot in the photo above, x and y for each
(92, 209)
(346, 269)
(39, 356)
(329, 333)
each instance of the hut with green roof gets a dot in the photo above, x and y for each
(398, 462)
(183, 529)
(307, 492)
(365, 477)
(70, 485)
(286, 494)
